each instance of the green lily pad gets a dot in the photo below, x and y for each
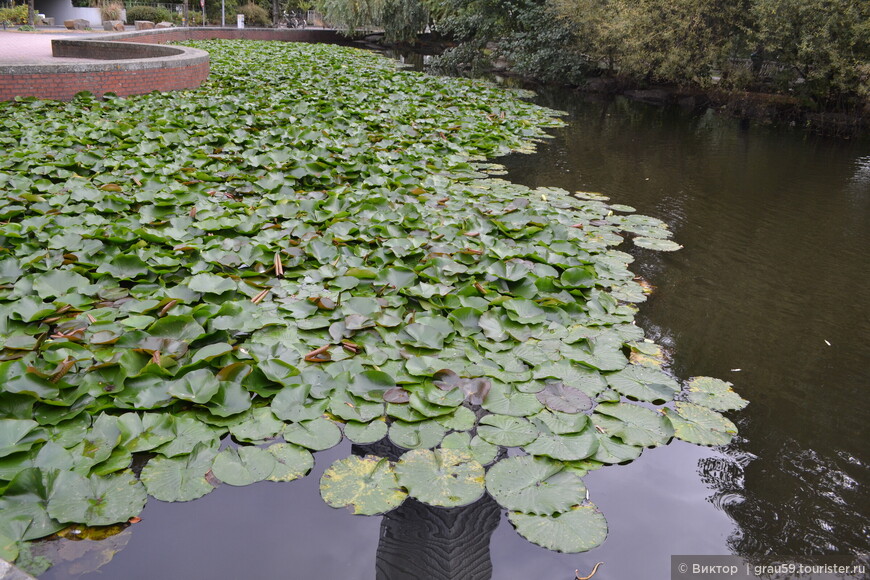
(482, 451)
(578, 530)
(714, 394)
(644, 384)
(700, 425)
(291, 462)
(506, 430)
(363, 433)
(657, 244)
(443, 477)
(243, 465)
(556, 396)
(633, 424)
(568, 447)
(503, 399)
(368, 485)
(419, 435)
(180, 478)
(317, 434)
(534, 485)
(96, 501)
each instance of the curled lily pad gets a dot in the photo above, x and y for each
(700, 425)
(578, 530)
(714, 394)
(534, 485)
(367, 485)
(443, 477)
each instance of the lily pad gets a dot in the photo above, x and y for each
(633, 424)
(317, 434)
(179, 478)
(700, 425)
(363, 433)
(714, 394)
(556, 396)
(367, 485)
(578, 530)
(243, 465)
(96, 501)
(506, 430)
(644, 384)
(534, 485)
(443, 477)
(291, 462)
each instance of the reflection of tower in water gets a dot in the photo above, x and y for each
(423, 542)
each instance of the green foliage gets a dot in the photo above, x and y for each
(152, 13)
(400, 20)
(822, 46)
(255, 16)
(14, 15)
(311, 241)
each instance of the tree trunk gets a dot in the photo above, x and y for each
(275, 13)
(31, 13)
(184, 15)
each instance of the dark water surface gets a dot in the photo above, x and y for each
(770, 292)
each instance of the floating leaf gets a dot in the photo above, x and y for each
(558, 397)
(506, 430)
(179, 478)
(367, 485)
(317, 434)
(633, 424)
(420, 435)
(714, 394)
(291, 462)
(243, 465)
(578, 530)
(657, 244)
(443, 477)
(96, 501)
(644, 384)
(364, 433)
(568, 447)
(534, 485)
(700, 425)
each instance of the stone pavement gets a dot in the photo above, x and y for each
(34, 47)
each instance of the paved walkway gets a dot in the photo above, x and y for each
(35, 47)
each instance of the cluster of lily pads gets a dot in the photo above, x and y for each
(209, 286)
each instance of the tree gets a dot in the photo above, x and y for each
(400, 20)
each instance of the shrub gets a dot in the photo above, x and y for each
(151, 13)
(255, 15)
(111, 10)
(14, 15)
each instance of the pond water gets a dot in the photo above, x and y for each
(770, 293)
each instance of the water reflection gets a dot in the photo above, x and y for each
(770, 293)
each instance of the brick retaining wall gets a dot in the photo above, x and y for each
(137, 66)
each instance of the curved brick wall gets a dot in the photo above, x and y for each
(138, 63)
